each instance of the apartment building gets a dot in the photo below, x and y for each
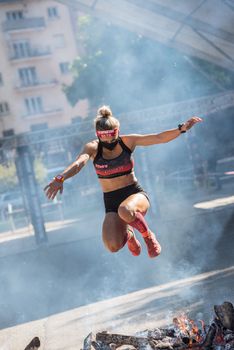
(37, 47)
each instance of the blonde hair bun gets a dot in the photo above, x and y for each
(105, 119)
(105, 111)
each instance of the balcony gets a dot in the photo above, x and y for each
(34, 85)
(24, 24)
(30, 53)
(4, 114)
(50, 112)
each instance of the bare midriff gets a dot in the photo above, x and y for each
(116, 183)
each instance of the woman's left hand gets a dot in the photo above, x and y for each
(191, 122)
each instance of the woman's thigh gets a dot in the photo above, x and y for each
(114, 231)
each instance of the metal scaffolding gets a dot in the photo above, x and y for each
(163, 115)
(199, 28)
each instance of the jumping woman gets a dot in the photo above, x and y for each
(126, 203)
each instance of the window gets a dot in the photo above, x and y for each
(9, 132)
(4, 108)
(59, 40)
(1, 80)
(21, 49)
(28, 76)
(52, 12)
(64, 67)
(33, 105)
(14, 15)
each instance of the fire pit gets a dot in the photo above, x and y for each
(184, 333)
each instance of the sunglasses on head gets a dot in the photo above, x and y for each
(104, 133)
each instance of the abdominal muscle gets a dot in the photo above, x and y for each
(117, 182)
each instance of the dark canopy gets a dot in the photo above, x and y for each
(203, 28)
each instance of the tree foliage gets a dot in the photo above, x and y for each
(107, 67)
(128, 71)
(40, 170)
(8, 177)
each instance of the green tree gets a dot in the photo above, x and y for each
(109, 59)
(8, 177)
(40, 170)
(221, 75)
(128, 71)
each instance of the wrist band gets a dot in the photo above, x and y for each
(59, 178)
(179, 127)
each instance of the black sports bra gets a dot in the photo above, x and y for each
(118, 166)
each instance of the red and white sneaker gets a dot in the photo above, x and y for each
(133, 244)
(153, 246)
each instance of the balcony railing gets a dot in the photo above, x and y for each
(5, 113)
(24, 24)
(44, 113)
(32, 52)
(36, 84)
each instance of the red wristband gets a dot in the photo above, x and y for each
(59, 178)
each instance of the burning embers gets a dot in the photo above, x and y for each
(183, 334)
(188, 330)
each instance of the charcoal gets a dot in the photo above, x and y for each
(97, 345)
(160, 333)
(225, 313)
(34, 344)
(88, 341)
(120, 339)
(229, 336)
(208, 342)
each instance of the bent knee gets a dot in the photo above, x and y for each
(114, 245)
(113, 248)
(126, 212)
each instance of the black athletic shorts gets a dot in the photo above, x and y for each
(113, 199)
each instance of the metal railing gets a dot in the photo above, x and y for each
(37, 83)
(24, 23)
(32, 52)
(44, 112)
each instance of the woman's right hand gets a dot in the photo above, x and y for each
(52, 189)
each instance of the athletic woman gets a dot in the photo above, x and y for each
(126, 203)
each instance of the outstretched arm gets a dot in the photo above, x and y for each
(57, 183)
(77, 165)
(163, 137)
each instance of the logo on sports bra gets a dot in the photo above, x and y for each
(104, 166)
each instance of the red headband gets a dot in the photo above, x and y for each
(103, 133)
